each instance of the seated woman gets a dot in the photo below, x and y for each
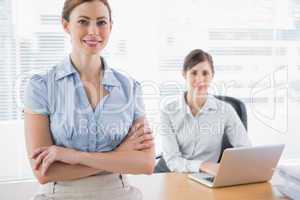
(193, 124)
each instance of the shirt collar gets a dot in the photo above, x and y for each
(66, 68)
(109, 77)
(179, 110)
(182, 109)
(209, 105)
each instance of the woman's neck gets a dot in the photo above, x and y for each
(195, 101)
(88, 67)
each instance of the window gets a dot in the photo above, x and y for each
(255, 45)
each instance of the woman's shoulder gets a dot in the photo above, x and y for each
(219, 102)
(222, 105)
(47, 74)
(36, 91)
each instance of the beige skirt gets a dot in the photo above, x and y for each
(98, 187)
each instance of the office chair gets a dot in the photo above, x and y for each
(240, 108)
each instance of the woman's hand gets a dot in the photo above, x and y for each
(45, 156)
(210, 167)
(139, 138)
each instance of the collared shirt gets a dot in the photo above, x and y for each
(188, 141)
(60, 94)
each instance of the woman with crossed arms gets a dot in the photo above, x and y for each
(84, 121)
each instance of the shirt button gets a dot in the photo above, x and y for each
(92, 144)
(93, 128)
(83, 131)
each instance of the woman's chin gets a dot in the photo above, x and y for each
(92, 52)
(200, 93)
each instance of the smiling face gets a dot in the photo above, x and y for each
(89, 27)
(198, 78)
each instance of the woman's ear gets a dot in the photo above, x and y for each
(65, 25)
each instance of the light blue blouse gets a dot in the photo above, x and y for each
(59, 94)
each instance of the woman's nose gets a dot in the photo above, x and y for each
(93, 29)
(200, 78)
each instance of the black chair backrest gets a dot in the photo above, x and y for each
(240, 108)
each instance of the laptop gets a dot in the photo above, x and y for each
(243, 165)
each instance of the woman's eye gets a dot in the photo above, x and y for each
(194, 73)
(101, 23)
(83, 22)
(205, 73)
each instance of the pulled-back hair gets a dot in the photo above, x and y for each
(196, 56)
(69, 5)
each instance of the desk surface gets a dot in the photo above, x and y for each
(173, 186)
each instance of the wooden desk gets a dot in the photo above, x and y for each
(173, 186)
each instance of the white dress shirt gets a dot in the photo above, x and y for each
(188, 141)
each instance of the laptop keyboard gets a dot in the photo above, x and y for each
(210, 179)
(204, 176)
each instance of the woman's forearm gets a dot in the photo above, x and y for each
(127, 162)
(64, 172)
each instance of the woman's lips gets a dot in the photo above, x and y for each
(200, 86)
(91, 43)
